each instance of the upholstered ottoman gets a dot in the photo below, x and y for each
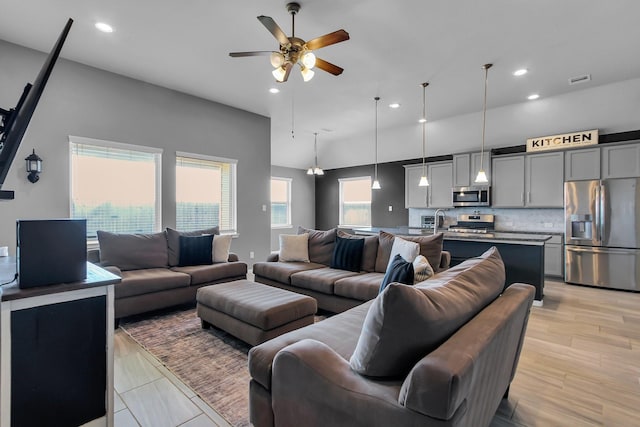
(252, 311)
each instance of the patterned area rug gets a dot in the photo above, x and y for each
(210, 361)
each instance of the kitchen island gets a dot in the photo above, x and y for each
(522, 253)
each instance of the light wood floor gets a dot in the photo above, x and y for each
(580, 366)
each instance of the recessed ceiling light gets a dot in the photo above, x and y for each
(274, 90)
(394, 105)
(520, 72)
(533, 96)
(105, 28)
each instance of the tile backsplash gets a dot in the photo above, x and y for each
(542, 220)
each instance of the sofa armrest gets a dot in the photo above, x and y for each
(445, 260)
(311, 382)
(233, 257)
(273, 257)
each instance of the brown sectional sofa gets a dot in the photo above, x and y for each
(459, 339)
(339, 290)
(151, 278)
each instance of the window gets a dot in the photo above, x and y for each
(116, 187)
(355, 201)
(280, 202)
(205, 192)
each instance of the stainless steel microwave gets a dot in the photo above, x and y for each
(471, 196)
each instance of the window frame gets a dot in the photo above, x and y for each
(289, 203)
(157, 152)
(233, 183)
(341, 201)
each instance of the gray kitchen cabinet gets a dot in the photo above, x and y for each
(507, 176)
(554, 257)
(414, 195)
(582, 164)
(441, 180)
(461, 170)
(476, 165)
(544, 180)
(621, 161)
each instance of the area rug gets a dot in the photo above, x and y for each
(211, 362)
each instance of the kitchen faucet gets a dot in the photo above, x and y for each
(435, 219)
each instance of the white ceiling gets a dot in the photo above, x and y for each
(394, 47)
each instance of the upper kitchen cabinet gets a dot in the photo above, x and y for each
(507, 177)
(466, 167)
(582, 164)
(544, 180)
(621, 161)
(414, 195)
(534, 180)
(437, 194)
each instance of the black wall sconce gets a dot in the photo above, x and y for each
(34, 166)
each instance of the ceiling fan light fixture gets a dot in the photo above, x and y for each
(307, 73)
(318, 171)
(279, 74)
(310, 171)
(309, 59)
(277, 59)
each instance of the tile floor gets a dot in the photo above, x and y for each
(148, 395)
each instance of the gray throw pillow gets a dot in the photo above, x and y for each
(173, 241)
(405, 323)
(385, 243)
(133, 251)
(430, 247)
(321, 244)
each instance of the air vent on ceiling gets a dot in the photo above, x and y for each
(579, 79)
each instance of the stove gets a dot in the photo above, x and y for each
(475, 223)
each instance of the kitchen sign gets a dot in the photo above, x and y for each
(567, 140)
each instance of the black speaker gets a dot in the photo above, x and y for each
(51, 251)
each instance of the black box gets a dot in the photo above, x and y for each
(51, 251)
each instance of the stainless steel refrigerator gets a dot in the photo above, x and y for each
(602, 235)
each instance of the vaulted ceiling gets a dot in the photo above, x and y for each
(394, 47)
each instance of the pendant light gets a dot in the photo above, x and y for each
(315, 169)
(424, 182)
(482, 176)
(376, 183)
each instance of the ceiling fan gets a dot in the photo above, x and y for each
(294, 50)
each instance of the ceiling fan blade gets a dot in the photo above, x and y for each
(327, 39)
(287, 69)
(255, 53)
(274, 29)
(328, 67)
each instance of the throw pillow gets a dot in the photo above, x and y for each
(195, 250)
(294, 247)
(368, 253)
(347, 254)
(133, 251)
(422, 269)
(173, 241)
(321, 244)
(430, 247)
(221, 247)
(385, 242)
(399, 271)
(405, 323)
(407, 250)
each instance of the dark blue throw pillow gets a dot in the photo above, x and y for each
(400, 271)
(195, 250)
(347, 254)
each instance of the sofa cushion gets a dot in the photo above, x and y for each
(430, 246)
(405, 322)
(385, 243)
(282, 271)
(321, 279)
(369, 252)
(195, 250)
(214, 272)
(347, 254)
(145, 281)
(294, 247)
(173, 241)
(399, 271)
(133, 251)
(363, 287)
(320, 244)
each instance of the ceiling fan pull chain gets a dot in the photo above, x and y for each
(293, 136)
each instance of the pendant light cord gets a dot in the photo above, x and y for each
(424, 125)
(377, 98)
(315, 148)
(484, 112)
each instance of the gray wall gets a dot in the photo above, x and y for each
(84, 101)
(303, 197)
